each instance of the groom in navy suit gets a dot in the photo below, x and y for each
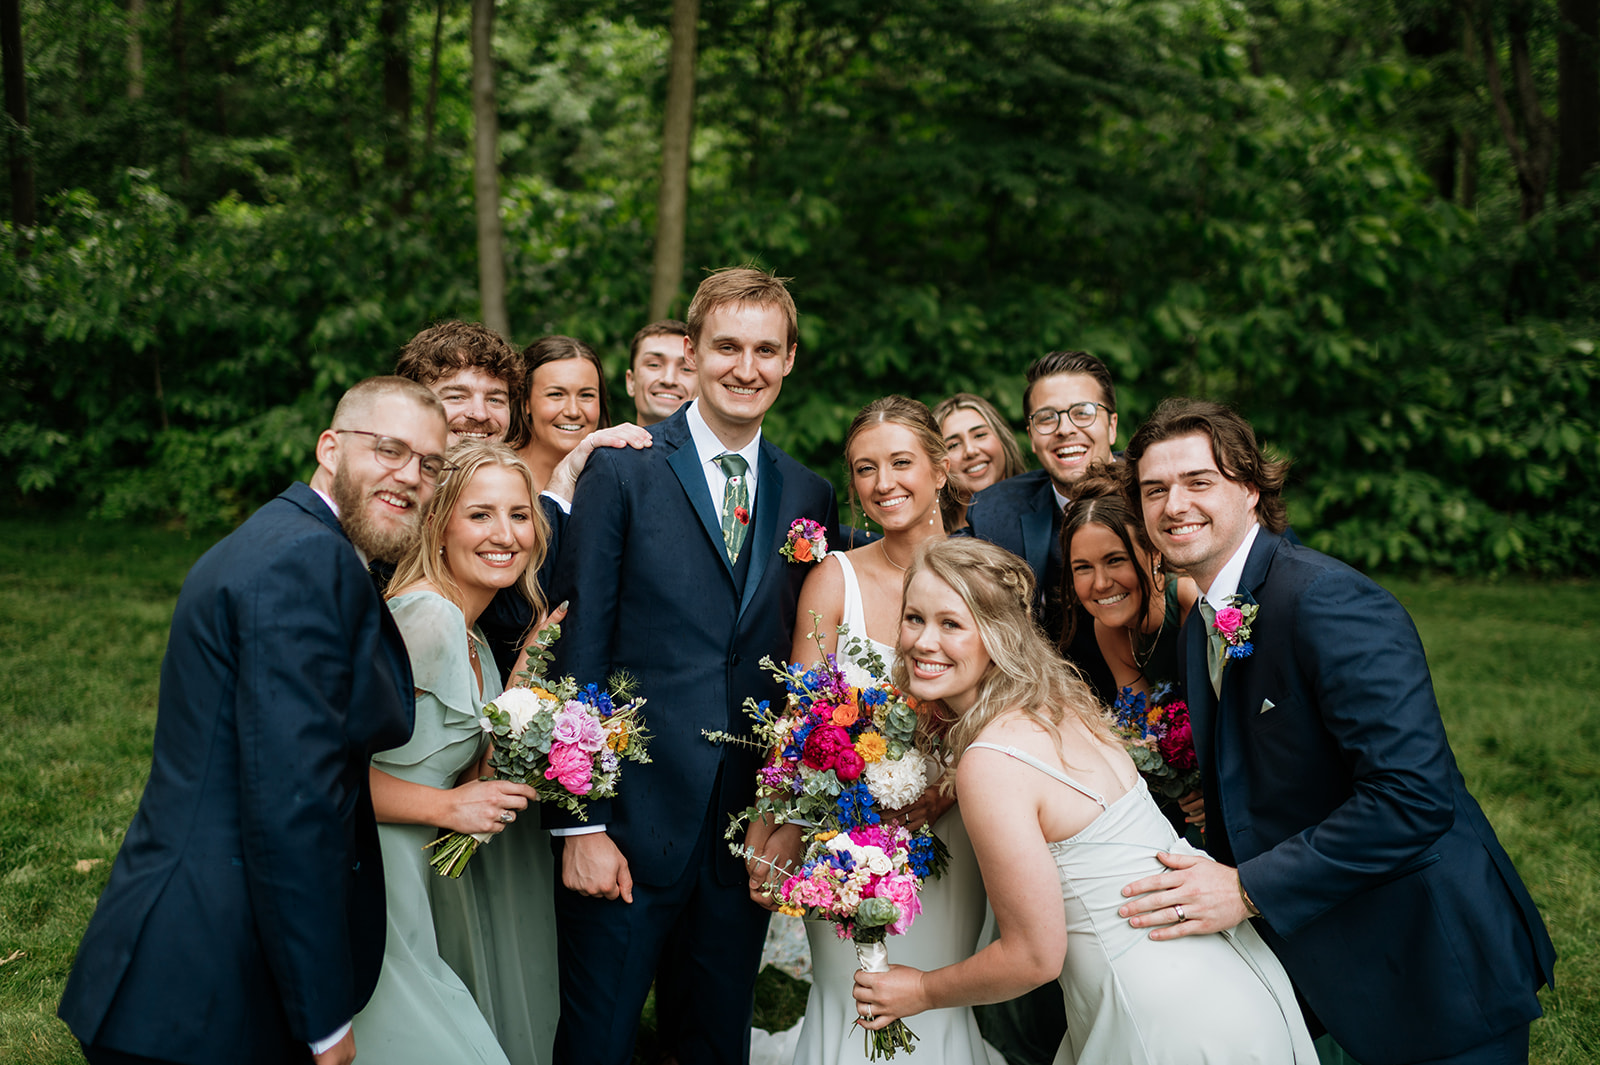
(244, 919)
(671, 563)
(1334, 808)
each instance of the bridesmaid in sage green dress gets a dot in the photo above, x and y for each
(483, 533)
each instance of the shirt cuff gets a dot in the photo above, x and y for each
(322, 1046)
(564, 504)
(578, 830)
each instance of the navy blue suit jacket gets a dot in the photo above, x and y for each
(1018, 514)
(652, 593)
(1331, 786)
(245, 912)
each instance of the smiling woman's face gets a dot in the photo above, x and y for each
(563, 404)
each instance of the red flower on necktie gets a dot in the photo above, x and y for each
(742, 515)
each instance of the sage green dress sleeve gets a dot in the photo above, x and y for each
(421, 1013)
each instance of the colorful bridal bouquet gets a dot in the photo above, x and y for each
(865, 881)
(565, 741)
(1155, 728)
(839, 756)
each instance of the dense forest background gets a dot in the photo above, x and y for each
(1373, 225)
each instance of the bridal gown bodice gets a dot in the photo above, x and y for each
(1214, 998)
(945, 933)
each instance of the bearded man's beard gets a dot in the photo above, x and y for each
(377, 540)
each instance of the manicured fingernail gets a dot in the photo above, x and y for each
(563, 605)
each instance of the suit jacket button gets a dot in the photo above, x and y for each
(736, 659)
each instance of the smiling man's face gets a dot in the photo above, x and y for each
(1067, 452)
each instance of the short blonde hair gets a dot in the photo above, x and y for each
(1025, 673)
(426, 561)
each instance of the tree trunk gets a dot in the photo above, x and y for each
(16, 94)
(1530, 148)
(136, 49)
(486, 172)
(430, 110)
(1577, 94)
(180, 60)
(392, 22)
(672, 209)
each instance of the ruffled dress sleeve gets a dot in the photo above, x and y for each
(446, 737)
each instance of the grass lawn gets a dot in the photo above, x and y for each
(83, 615)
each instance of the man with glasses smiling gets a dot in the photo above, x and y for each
(244, 918)
(1070, 406)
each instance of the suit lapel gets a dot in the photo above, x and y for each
(685, 462)
(1197, 688)
(769, 501)
(1036, 529)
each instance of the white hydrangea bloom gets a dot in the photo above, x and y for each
(897, 784)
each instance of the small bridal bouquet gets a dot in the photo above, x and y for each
(1155, 728)
(565, 741)
(865, 881)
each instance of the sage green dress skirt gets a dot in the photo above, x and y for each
(421, 1012)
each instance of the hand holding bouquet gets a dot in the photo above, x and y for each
(865, 881)
(565, 741)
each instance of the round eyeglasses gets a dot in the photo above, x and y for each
(395, 454)
(1045, 420)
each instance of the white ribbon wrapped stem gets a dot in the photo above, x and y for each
(873, 957)
(482, 837)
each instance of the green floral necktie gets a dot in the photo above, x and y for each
(735, 502)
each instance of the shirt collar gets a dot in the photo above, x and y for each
(326, 498)
(1061, 500)
(1227, 582)
(706, 445)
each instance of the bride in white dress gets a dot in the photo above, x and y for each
(897, 464)
(1062, 821)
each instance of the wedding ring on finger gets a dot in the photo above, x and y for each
(1178, 909)
(866, 1013)
(506, 817)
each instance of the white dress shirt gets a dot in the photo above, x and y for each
(1227, 579)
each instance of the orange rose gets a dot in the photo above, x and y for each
(802, 551)
(845, 714)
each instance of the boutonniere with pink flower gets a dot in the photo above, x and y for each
(1233, 625)
(807, 542)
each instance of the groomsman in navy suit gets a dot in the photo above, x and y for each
(1334, 808)
(1071, 409)
(244, 919)
(671, 563)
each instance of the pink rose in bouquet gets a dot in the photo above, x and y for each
(575, 727)
(569, 767)
(902, 891)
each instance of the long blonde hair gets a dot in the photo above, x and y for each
(1025, 673)
(427, 561)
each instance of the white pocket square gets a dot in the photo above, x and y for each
(1266, 704)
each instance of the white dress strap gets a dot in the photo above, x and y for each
(1047, 770)
(854, 615)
